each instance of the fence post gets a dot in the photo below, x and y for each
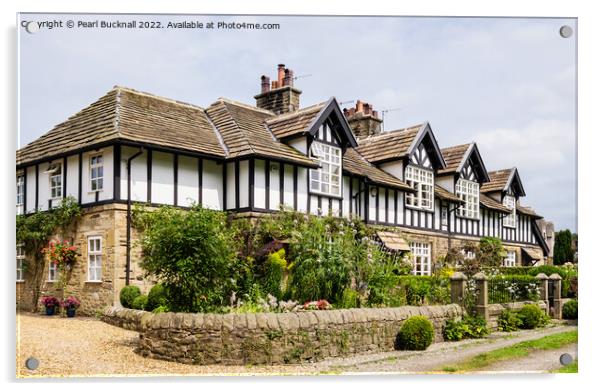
(557, 299)
(482, 304)
(543, 290)
(458, 287)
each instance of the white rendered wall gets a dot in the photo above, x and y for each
(212, 185)
(260, 184)
(243, 185)
(162, 189)
(188, 180)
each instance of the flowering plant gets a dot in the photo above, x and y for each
(61, 253)
(70, 302)
(49, 301)
(317, 305)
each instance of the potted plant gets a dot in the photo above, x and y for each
(50, 302)
(70, 304)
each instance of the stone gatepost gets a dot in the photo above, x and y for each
(557, 299)
(543, 290)
(482, 302)
(458, 287)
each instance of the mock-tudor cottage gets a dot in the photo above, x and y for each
(250, 160)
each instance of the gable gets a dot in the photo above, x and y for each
(425, 151)
(331, 125)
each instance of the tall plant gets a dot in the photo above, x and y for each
(33, 232)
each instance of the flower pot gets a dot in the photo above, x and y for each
(50, 310)
(70, 312)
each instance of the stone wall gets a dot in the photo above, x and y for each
(495, 310)
(270, 338)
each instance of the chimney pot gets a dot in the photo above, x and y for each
(358, 106)
(280, 75)
(265, 84)
(363, 120)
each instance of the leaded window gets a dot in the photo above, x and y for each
(327, 178)
(56, 181)
(96, 172)
(421, 180)
(94, 258)
(20, 193)
(422, 258)
(510, 219)
(469, 192)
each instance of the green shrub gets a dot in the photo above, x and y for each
(274, 274)
(467, 327)
(128, 294)
(416, 333)
(569, 310)
(192, 253)
(531, 316)
(160, 309)
(350, 299)
(454, 330)
(139, 302)
(157, 296)
(508, 321)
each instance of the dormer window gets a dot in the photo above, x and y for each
(469, 192)
(326, 179)
(422, 181)
(510, 219)
(20, 193)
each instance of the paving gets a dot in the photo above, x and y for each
(84, 347)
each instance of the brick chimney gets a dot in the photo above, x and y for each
(279, 96)
(363, 120)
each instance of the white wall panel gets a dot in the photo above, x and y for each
(162, 178)
(274, 186)
(243, 188)
(302, 189)
(259, 185)
(213, 185)
(231, 186)
(72, 176)
(188, 180)
(138, 175)
(289, 194)
(30, 190)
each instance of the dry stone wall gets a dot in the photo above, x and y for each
(495, 310)
(270, 338)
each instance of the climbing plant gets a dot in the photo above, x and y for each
(34, 232)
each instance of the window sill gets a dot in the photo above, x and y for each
(20, 281)
(93, 281)
(50, 281)
(335, 197)
(509, 226)
(95, 191)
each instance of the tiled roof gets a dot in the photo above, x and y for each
(532, 253)
(527, 211)
(393, 241)
(244, 133)
(443, 194)
(388, 145)
(295, 123)
(453, 157)
(355, 164)
(490, 203)
(498, 180)
(127, 114)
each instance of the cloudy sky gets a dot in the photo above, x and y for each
(508, 84)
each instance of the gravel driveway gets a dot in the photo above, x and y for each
(88, 347)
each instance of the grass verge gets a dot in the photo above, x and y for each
(571, 368)
(521, 349)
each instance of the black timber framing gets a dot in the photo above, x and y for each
(64, 189)
(38, 187)
(79, 178)
(237, 184)
(200, 173)
(176, 162)
(149, 174)
(295, 186)
(117, 172)
(252, 183)
(225, 185)
(281, 185)
(267, 184)
(25, 190)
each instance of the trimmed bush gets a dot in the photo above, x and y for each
(139, 302)
(157, 296)
(569, 310)
(416, 333)
(531, 316)
(128, 294)
(508, 321)
(468, 327)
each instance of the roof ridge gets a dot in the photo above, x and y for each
(246, 137)
(245, 105)
(158, 97)
(389, 132)
(296, 112)
(457, 146)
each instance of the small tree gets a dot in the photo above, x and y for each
(563, 249)
(489, 252)
(192, 253)
(33, 233)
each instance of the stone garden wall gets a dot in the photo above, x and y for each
(271, 338)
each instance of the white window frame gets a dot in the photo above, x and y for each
(469, 192)
(55, 179)
(510, 203)
(510, 261)
(95, 180)
(422, 258)
(20, 258)
(20, 193)
(422, 180)
(95, 257)
(328, 183)
(53, 272)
